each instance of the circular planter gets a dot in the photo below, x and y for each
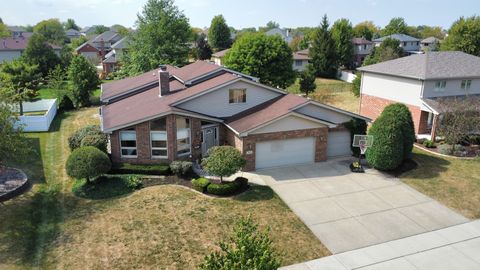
(12, 183)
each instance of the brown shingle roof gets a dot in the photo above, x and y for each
(148, 104)
(220, 53)
(195, 70)
(301, 55)
(361, 41)
(265, 114)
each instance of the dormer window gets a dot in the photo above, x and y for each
(237, 96)
(466, 84)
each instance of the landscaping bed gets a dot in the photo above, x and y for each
(467, 151)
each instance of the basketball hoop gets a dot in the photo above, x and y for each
(363, 146)
(363, 142)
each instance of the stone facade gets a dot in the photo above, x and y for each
(144, 145)
(372, 107)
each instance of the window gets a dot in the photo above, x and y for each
(128, 143)
(440, 86)
(298, 63)
(466, 84)
(158, 137)
(404, 44)
(418, 43)
(237, 96)
(365, 46)
(183, 136)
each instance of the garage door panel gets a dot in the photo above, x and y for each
(284, 152)
(338, 144)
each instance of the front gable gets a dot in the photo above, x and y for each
(318, 112)
(216, 102)
(288, 123)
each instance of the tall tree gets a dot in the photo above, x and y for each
(18, 82)
(266, 57)
(13, 144)
(162, 37)
(342, 34)
(270, 25)
(219, 34)
(324, 57)
(389, 49)
(99, 29)
(366, 29)
(396, 25)
(464, 35)
(39, 52)
(70, 24)
(431, 31)
(83, 79)
(202, 48)
(52, 30)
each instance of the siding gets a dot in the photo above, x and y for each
(287, 124)
(398, 89)
(452, 88)
(216, 103)
(324, 114)
(301, 67)
(9, 55)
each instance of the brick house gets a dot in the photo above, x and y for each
(179, 113)
(419, 81)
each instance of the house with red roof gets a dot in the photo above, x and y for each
(175, 113)
(11, 48)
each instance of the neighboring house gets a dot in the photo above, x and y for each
(286, 34)
(418, 81)
(410, 45)
(88, 30)
(301, 60)
(12, 48)
(112, 59)
(99, 46)
(179, 113)
(361, 49)
(16, 31)
(218, 57)
(430, 44)
(88, 51)
(72, 34)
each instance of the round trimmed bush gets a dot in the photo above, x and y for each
(87, 162)
(75, 140)
(387, 152)
(96, 140)
(200, 184)
(402, 115)
(223, 189)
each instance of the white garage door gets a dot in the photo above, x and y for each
(338, 144)
(285, 152)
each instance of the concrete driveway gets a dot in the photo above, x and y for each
(347, 211)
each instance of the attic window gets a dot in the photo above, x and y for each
(237, 96)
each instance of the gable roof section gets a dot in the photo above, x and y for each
(121, 44)
(430, 40)
(430, 66)
(301, 55)
(361, 41)
(195, 70)
(107, 36)
(399, 37)
(220, 54)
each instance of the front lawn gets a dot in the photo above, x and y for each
(332, 92)
(155, 227)
(453, 182)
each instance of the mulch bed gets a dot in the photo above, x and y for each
(12, 183)
(471, 151)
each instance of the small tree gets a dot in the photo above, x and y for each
(219, 34)
(203, 50)
(83, 80)
(323, 54)
(52, 30)
(87, 162)
(307, 81)
(223, 161)
(248, 249)
(13, 144)
(70, 24)
(356, 84)
(39, 52)
(56, 78)
(19, 82)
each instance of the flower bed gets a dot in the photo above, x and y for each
(470, 151)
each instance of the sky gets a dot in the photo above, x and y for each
(244, 13)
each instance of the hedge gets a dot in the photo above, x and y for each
(227, 188)
(126, 168)
(402, 115)
(200, 184)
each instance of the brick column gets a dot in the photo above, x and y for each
(171, 137)
(196, 129)
(143, 141)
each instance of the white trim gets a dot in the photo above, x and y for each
(325, 106)
(189, 138)
(229, 127)
(226, 84)
(158, 148)
(121, 147)
(330, 125)
(430, 108)
(161, 115)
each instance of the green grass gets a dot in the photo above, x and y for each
(453, 182)
(49, 227)
(104, 187)
(49, 93)
(332, 92)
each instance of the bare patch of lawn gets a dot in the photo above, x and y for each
(332, 92)
(453, 182)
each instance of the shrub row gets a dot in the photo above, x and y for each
(220, 189)
(179, 167)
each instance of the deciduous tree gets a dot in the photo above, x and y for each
(223, 161)
(266, 57)
(13, 144)
(162, 37)
(99, 29)
(70, 24)
(83, 79)
(322, 52)
(52, 30)
(342, 34)
(219, 36)
(39, 52)
(366, 29)
(388, 50)
(464, 35)
(396, 25)
(4, 31)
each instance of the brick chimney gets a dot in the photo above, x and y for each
(164, 80)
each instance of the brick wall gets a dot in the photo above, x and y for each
(249, 143)
(372, 107)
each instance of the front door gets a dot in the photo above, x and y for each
(210, 138)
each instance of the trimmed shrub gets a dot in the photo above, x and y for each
(133, 181)
(126, 168)
(87, 162)
(96, 140)
(401, 114)
(75, 140)
(387, 151)
(200, 184)
(428, 144)
(223, 189)
(181, 167)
